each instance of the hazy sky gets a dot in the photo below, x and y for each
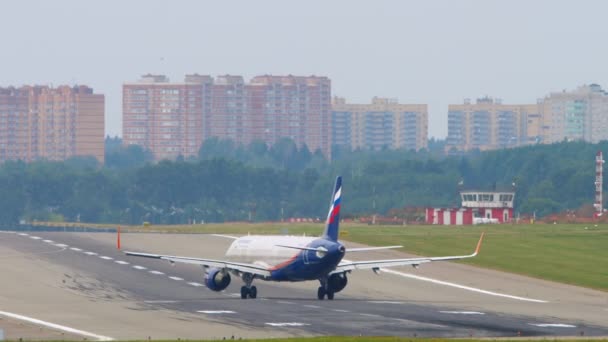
(434, 52)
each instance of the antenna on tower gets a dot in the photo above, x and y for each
(599, 171)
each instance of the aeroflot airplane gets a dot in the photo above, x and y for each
(272, 258)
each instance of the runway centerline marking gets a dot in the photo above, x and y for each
(156, 272)
(176, 278)
(137, 267)
(121, 262)
(463, 312)
(195, 284)
(160, 301)
(384, 302)
(105, 257)
(35, 237)
(552, 325)
(287, 324)
(312, 306)
(48, 241)
(369, 315)
(216, 312)
(24, 234)
(75, 249)
(284, 302)
(339, 310)
(463, 287)
(63, 245)
(90, 253)
(55, 326)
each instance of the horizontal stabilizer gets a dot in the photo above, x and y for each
(365, 249)
(298, 247)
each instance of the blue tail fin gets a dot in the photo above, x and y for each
(332, 226)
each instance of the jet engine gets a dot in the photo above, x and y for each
(337, 281)
(216, 280)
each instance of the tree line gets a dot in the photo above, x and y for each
(227, 182)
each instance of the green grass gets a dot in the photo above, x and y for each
(566, 253)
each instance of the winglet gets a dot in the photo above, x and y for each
(479, 244)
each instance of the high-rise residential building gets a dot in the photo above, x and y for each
(489, 124)
(581, 114)
(384, 123)
(173, 119)
(41, 122)
(295, 107)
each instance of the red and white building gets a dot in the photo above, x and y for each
(477, 207)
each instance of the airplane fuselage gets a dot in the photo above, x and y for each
(288, 264)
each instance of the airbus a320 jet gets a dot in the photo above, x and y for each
(294, 258)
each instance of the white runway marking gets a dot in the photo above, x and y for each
(284, 302)
(24, 234)
(90, 253)
(384, 302)
(339, 310)
(463, 287)
(195, 284)
(313, 306)
(62, 245)
(121, 262)
(137, 267)
(75, 249)
(35, 237)
(234, 294)
(213, 312)
(553, 325)
(463, 312)
(287, 324)
(369, 315)
(48, 241)
(56, 326)
(156, 272)
(176, 278)
(105, 257)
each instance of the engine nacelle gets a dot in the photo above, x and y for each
(337, 282)
(216, 280)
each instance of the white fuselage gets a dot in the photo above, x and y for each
(263, 250)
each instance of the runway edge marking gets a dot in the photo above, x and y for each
(56, 326)
(463, 287)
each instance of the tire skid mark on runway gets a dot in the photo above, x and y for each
(463, 287)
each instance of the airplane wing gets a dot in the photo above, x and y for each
(241, 267)
(377, 264)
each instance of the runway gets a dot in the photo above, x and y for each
(81, 279)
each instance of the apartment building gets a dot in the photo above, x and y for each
(489, 124)
(173, 119)
(384, 123)
(581, 114)
(41, 122)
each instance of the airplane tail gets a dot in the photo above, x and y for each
(332, 225)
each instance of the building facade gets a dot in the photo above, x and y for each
(384, 123)
(41, 122)
(581, 114)
(173, 119)
(488, 124)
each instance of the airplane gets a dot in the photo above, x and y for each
(272, 258)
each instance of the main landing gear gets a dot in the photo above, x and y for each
(325, 290)
(247, 290)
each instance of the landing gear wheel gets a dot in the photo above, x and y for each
(244, 292)
(330, 295)
(253, 292)
(321, 293)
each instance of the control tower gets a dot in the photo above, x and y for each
(476, 207)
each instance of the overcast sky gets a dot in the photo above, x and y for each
(433, 52)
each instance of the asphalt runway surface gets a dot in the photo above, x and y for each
(81, 280)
